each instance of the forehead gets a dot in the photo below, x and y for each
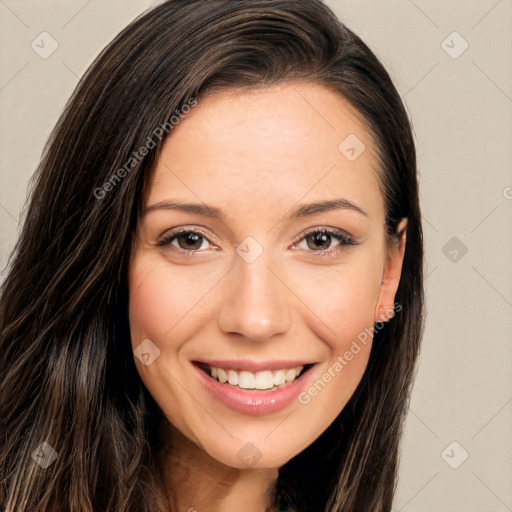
(269, 148)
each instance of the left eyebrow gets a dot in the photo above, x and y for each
(325, 206)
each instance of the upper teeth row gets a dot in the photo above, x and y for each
(258, 380)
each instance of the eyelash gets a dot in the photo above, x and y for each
(341, 236)
(344, 238)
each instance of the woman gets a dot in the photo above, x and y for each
(216, 300)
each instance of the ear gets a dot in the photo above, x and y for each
(384, 309)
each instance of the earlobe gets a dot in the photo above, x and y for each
(384, 309)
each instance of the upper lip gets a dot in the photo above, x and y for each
(252, 366)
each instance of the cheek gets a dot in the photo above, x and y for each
(342, 299)
(163, 303)
(158, 304)
(343, 302)
(168, 306)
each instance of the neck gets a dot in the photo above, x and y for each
(196, 482)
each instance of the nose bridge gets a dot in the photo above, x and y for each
(256, 305)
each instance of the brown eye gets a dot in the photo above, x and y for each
(190, 241)
(186, 241)
(320, 241)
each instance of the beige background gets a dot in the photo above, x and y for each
(462, 114)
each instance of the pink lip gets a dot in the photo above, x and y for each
(252, 366)
(253, 402)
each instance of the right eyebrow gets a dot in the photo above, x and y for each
(201, 209)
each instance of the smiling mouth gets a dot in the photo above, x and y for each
(266, 380)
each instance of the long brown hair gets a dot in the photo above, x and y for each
(68, 376)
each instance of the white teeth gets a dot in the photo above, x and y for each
(232, 377)
(279, 378)
(246, 380)
(290, 375)
(222, 375)
(265, 379)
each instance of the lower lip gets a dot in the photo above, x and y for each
(255, 403)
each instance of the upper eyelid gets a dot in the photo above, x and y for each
(180, 230)
(336, 232)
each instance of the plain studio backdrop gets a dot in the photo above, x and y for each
(450, 61)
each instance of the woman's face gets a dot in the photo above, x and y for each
(247, 291)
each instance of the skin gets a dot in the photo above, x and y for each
(256, 155)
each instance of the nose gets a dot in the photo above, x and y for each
(255, 306)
